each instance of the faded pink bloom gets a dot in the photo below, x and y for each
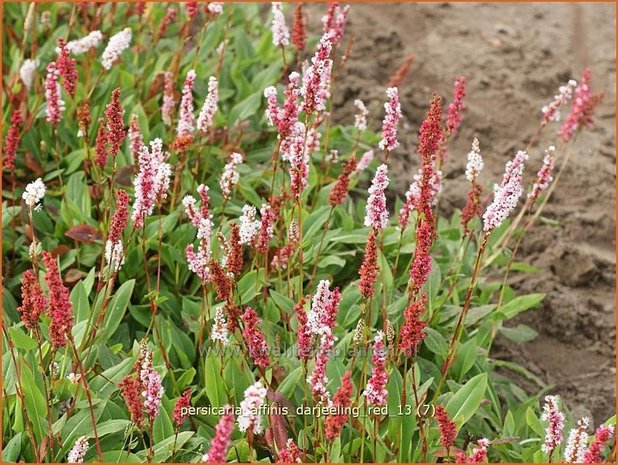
(186, 120)
(391, 119)
(551, 112)
(453, 119)
(376, 216)
(117, 44)
(507, 194)
(206, 117)
(55, 105)
(151, 182)
(475, 162)
(555, 418)
(360, 119)
(214, 8)
(281, 33)
(543, 177)
(375, 392)
(413, 195)
(199, 263)
(365, 160)
(169, 102)
(151, 382)
(249, 225)
(135, 137)
(221, 441)
(229, 177)
(333, 22)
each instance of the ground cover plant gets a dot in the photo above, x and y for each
(200, 265)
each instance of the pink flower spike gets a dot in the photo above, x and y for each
(251, 409)
(55, 105)
(221, 441)
(365, 161)
(135, 137)
(389, 141)
(555, 418)
(582, 108)
(186, 120)
(281, 33)
(316, 78)
(60, 307)
(290, 454)
(576, 443)
(151, 382)
(151, 182)
(453, 120)
(256, 344)
(360, 119)
(206, 117)
(544, 176)
(334, 21)
(66, 67)
(375, 392)
(117, 44)
(230, 176)
(169, 102)
(551, 112)
(594, 453)
(507, 194)
(376, 216)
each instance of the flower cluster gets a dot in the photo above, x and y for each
(60, 307)
(544, 176)
(256, 344)
(341, 401)
(369, 269)
(117, 44)
(376, 215)
(316, 79)
(66, 68)
(581, 108)
(78, 451)
(250, 417)
(299, 35)
(507, 194)
(551, 111)
(33, 300)
(186, 120)
(11, 141)
(577, 441)
(555, 418)
(290, 454)
(478, 455)
(80, 46)
(230, 176)
(114, 252)
(199, 263)
(475, 165)
(169, 101)
(601, 437)
(221, 441)
(150, 380)
(206, 117)
(281, 33)
(413, 329)
(360, 119)
(448, 428)
(333, 22)
(183, 402)
(375, 392)
(391, 120)
(27, 70)
(340, 189)
(55, 104)
(453, 119)
(151, 182)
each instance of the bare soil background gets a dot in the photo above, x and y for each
(515, 57)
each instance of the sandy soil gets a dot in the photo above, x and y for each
(515, 56)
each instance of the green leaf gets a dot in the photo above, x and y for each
(291, 382)
(116, 310)
(21, 340)
(213, 382)
(163, 450)
(35, 401)
(520, 304)
(11, 450)
(467, 400)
